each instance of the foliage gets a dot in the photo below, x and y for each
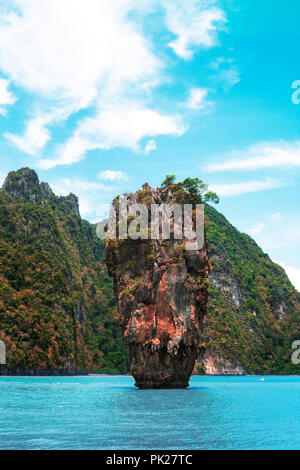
(57, 305)
(169, 179)
(58, 308)
(191, 190)
(257, 333)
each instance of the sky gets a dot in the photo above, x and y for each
(100, 96)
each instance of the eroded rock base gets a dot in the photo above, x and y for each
(162, 369)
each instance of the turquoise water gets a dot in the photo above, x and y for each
(109, 413)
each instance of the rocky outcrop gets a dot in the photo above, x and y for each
(162, 292)
(218, 365)
(24, 185)
(228, 286)
(58, 313)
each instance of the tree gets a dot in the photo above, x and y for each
(169, 179)
(211, 196)
(196, 188)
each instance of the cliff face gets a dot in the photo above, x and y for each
(218, 365)
(57, 306)
(253, 310)
(162, 293)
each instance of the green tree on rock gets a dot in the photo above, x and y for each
(197, 189)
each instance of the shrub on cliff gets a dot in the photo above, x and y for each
(190, 190)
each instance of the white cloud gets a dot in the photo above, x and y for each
(63, 49)
(6, 97)
(90, 193)
(230, 76)
(256, 229)
(236, 189)
(276, 216)
(2, 178)
(111, 175)
(196, 99)
(293, 274)
(102, 210)
(77, 185)
(72, 55)
(227, 71)
(194, 23)
(71, 152)
(35, 137)
(262, 155)
(150, 146)
(121, 125)
(279, 236)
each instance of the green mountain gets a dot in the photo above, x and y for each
(253, 309)
(57, 307)
(58, 311)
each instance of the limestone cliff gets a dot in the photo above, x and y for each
(218, 365)
(57, 307)
(253, 310)
(162, 292)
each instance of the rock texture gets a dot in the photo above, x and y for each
(162, 292)
(217, 365)
(23, 185)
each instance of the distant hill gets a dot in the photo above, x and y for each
(58, 311)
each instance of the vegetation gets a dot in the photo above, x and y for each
(190, 190)
(253, 309)
(58, 308)
(57, 305)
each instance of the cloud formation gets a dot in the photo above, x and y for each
(35, 137)
(256, 229)
(99, 59)
(194, 24)
(90, 194)
(150, 146)
(111, 175)
(226, 71)
(293, 274)
(235, 189)
(262, 155)
(196, 99)
(120, 125)
(6, 97)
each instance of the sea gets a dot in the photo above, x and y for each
(108, 412)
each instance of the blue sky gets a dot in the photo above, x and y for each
(100, 96)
